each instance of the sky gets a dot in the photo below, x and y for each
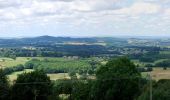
(25, 18)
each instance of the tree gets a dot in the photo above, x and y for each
(32, 85)
(13, 57)
(81, 90)
(73, 89)
(117, 80)
(29, 65)
(4, 86)
(160, 91)
(64, 87)
(73, 75)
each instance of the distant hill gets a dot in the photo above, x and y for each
(43, 39)
(51, 40)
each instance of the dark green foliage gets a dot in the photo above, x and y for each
(29, 65)
(73, 75)
(165, 63)
(29, 86)
(16, 68)
(90, 72)
(81, 90)
(59, 65)
(8, 71)
(4, 86)
(115, 79)
(19, 67)
(161, 91)
(149, 65)
(75, 89)
(63, 87)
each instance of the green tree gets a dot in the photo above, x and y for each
(81, 90)
(117, 80)
(31, 86)
(73, 89)
(160, 91)
(63, 87)
(73, 75)
(4, 86)
(29, 65)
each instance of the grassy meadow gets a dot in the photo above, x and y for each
(8, 62)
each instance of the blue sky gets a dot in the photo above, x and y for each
(22, 18)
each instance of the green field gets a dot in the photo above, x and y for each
(14, 75)
(70, 64)
(164, 52)
(8, 62)
(52, 63)
(61, 64)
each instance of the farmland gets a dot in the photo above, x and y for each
(157, 74)
(84, 64)
(56, 68)
(12, 77)
(72, 64)
(8, 62)
(56, 55)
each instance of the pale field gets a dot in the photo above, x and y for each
(158, 73)
(58, 76)
(12, 77)
(79, 43)
(53, 77)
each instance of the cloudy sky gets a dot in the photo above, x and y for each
(20, 18)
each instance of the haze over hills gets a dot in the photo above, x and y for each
(116, 41)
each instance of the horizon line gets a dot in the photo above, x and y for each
(107, 36)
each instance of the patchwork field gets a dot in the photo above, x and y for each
(70, 63)
(62, 65)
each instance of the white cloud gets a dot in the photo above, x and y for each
(84, 12)
(167, 12)
(139, 8)
(144, 8)
(9, 3)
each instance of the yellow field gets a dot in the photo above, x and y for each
(158, 73)
(12, 77)
(58, 76)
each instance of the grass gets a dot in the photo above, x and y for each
(14, 75)
(158, 73)
(49, 62)
(66, 64)
(164, 52)
(160, 60)
(58, 76)
(137, 62)
(8, 62)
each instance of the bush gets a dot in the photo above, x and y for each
(39, 85)
(29, 65)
